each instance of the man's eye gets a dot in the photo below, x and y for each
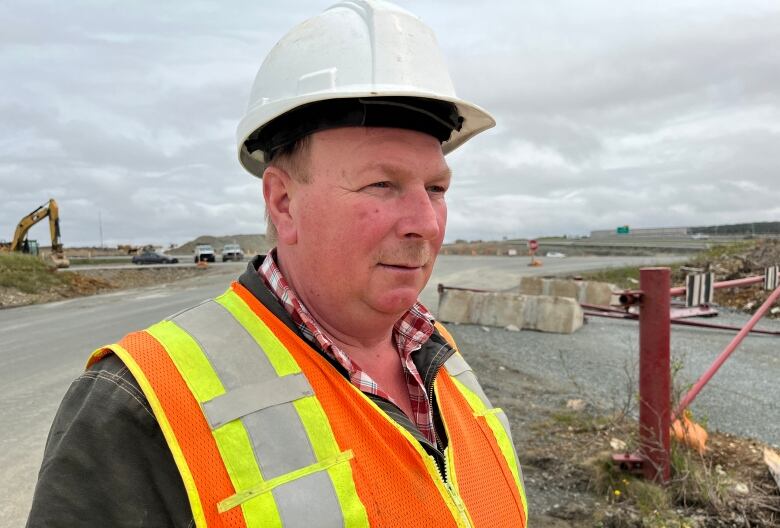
(437, 189)
(381, 185)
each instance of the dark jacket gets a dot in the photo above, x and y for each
(107, 463)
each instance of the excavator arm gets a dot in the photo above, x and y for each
(51, 210)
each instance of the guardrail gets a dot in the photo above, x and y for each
(655, 413)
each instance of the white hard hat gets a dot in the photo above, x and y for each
(358, 56)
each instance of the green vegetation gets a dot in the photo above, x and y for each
(29, 274)
(693, 485)
(753, 228)
(90, 262)
(627, 277)
(723, 251)
(581, 421)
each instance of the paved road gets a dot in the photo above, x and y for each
(184, 262)
(44, 347)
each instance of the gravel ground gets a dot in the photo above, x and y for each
(598, 361)
(532, 375)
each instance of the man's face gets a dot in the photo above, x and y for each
(371, 221)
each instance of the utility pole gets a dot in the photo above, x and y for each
(100, 226)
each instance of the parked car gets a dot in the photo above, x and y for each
(152, 257)
(232, 252)
(204, 252)
(555, 254)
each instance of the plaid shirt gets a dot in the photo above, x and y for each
(409, 334)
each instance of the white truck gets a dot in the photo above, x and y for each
(204, 252)
(232, 252)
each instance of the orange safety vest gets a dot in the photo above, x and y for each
(266, 433)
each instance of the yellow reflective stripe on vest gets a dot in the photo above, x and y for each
(501, 434)
(181, 462)
(280, 359)
(508, 450)
(265, 487)
(466, 382)
(280, 446)
(232, 439)
(313, 417)
(430, 464)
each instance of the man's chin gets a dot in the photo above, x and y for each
(396, 302)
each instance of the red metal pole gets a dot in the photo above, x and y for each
(655, 372)
(726, 353)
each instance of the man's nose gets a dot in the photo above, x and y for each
(420, 215)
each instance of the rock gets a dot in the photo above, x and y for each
(772, 461)
(741, 488)
(575, 405)
(617, 444)
(775, 310)
(512, 328)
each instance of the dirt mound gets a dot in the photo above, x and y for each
(68, 284)
(251, 244)
(746, 259)
(27, 280)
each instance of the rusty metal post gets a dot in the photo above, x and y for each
(655, 372)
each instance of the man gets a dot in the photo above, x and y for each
(316, 391)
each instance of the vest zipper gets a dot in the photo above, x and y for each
(445, 475)
(454, 495)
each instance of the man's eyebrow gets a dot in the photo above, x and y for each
(392, 170)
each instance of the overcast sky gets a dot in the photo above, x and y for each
(609, 113)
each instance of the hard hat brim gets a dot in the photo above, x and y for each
(475, 120)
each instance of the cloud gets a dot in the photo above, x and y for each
(608, 114)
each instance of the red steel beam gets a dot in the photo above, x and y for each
(655, 372)
(441, 287)
(622, 314)
(722, 327)
(747, 281)
(699, 385)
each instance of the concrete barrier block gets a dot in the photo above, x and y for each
(531, 285)
(597, 293)
(531, 312)
(563, 288)
(588, 292)
(561, 315)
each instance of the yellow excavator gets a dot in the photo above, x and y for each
(22, 244)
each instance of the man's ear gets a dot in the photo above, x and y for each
(278, 190)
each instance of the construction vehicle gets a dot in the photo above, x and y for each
(22, 244)
(128, 249)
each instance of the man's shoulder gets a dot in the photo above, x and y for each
(109, 384)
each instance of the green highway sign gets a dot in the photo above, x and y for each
(622, 230)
